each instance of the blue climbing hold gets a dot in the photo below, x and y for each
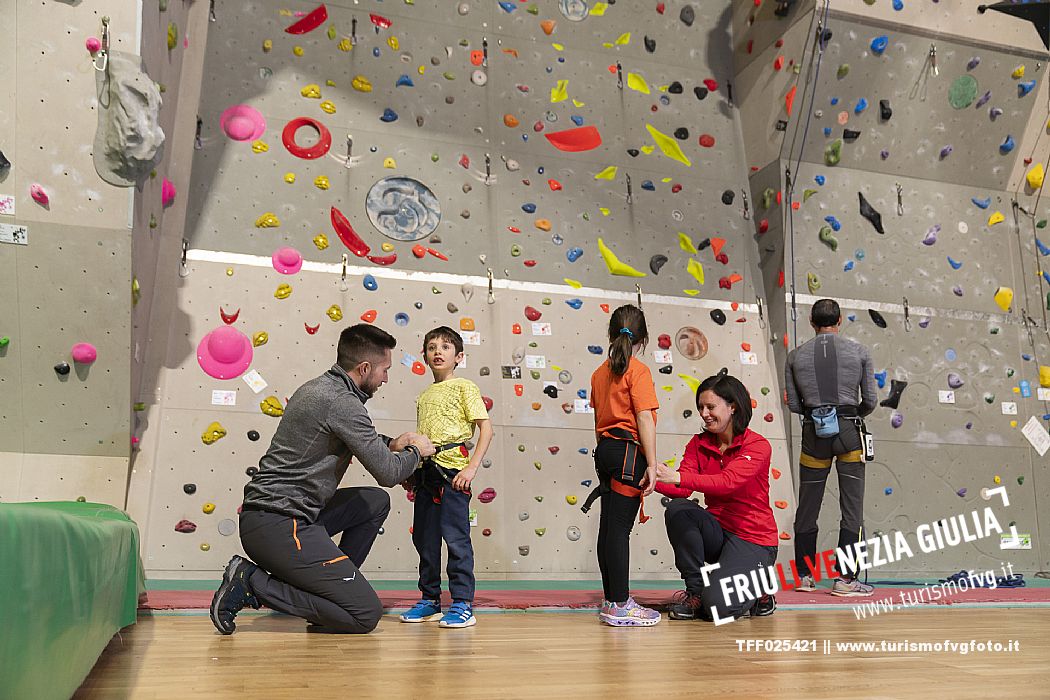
(575, 303)
(573, 254)
(981, 203)
(827, 131)
(404, 81)
(888, 491)
(880, 378)
(833, 222)
(859, 253)
(528, 208)
(851, 317)
(583, 451)
(1007, 145)
(834, 101)
(370, 283)
(1025, 87)
(898, 5)
(389, 115)
(524, 137)
(950, 355)
(1026, 357)
(594, 349)
(648, 185)
(820, 180)
(1046, 276)
(862, 104)
(954, 263)
(375, 52)
(540, 170)
(1043, 250)
(879, 44)
(577, 120)
(561, 59)
(401, 318)
(848, 266)
(1026, 389)
(507, 7)
(586, 482)
(582, 393)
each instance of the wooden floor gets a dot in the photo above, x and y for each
(570, 655)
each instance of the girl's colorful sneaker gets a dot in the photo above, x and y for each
(630, 614)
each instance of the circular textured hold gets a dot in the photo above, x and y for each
(403, 208)
(691, 342)
(523, 516)
(401, 318)
(189, 489)
(324, 138)
(727, 197)
(962, 92)
(253, 435)
(227, 527)
(479, 77)
(681, 133)
(565, 376)
(573, 533)
(251, 471)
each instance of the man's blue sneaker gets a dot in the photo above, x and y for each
(234, 594)
(423, 611)
(459, 615)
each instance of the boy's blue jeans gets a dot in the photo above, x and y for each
(448, 520)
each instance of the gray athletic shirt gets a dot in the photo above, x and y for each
(323, 426)
(827, 371)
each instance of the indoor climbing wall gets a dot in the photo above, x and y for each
(68, 240)
(576, 154)
(906, 150)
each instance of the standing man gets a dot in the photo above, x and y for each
(830, 371)
(293, 506)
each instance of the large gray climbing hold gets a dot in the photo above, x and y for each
(687, 15)
(128, 140)
(656, 262)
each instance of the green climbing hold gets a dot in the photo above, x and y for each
(140, 406)
(162, 5)
(767, 197)
(539, 499)
(806, 194)
(152, 221)
(538, 465)
(989, 398)
(81, 499)
(833, 152)
(1041, 223)
(4, 342)
(515, 250)
(173, 35)
(332, 34)
(546, 301)
(449, 75)
(1009, 372)
(533, 10)
(1020, 481)
(962, 92)
(587, 217)
(1048, 301)
(433, 157)
(843, 71)
(994, 330)
(765, 391)
(435, 290)
(521, 448)
(535, 374)
(541, 531)
(827, 237)
(813, 282)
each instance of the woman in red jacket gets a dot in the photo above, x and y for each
(729, 464)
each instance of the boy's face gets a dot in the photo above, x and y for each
(440, 354)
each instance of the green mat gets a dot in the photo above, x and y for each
(70, 578)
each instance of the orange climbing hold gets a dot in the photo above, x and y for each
(716, 245)
(547, 26)
(775, 472)
(543, 224)
(437, 254)
(466, 324)
(781, 504)
(419, 368)
(785, 536)
(419, 251)
(746, 347)
(554, 185)
(778, 63)
(789, 99)
(477, 57)
(707, 140)
(369, 316)
(510, 120)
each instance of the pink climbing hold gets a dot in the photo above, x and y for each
(84, 353)
(167, 193)
(488, 495)
(39, 195)
(92, 44)
(185, 526)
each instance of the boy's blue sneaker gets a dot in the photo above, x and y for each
(423, 611)
(459, 615)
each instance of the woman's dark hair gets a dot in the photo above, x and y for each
(825, 313)
(732, 391)
(626, 329)
(362, 343)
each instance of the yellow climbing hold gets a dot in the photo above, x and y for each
(575, 284)
(389, 163)
(813, 282)
(995, 218)
(208, 508)
(604, 210)
(267, 220)
(312, 91)
(283, 291)
(543, 224)
(577, 103)
(267, 45)
(260, 338)
(361, 84)
(668, 146)
(1004, 297)
(328, 107)
(1018, 72)
(421, 69)
(623, 40)
(571, 500)
(345, 45)
(1044, 376)
(393, 43)
(599, 9)
(271, 406)
(387, 247)
(608, 174)
(1035, 176)
(558, 47)
(692, 292)
(560, 92)
(260, 146)
(686, 243)
(648, 149)
(695, 269)
(692, 382)
(321, 182)
(613, 263)
(213, 433)
(321, 241)
(289, 178)
(637, 82)
(298, 51)
(334, 312)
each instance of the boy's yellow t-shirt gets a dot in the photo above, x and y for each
(445, 412)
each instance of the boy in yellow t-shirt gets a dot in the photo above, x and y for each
(447, 412)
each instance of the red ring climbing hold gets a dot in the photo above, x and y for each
(324, 141)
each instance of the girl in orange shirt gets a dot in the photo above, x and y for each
(625, 404)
